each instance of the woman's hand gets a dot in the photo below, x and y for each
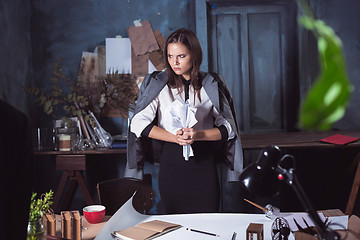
(185, 136)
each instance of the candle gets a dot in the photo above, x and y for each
(64, 142)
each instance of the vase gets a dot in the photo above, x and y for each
(36, 230)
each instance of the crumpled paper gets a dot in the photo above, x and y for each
(182, 116)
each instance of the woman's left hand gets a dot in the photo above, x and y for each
(185, 136)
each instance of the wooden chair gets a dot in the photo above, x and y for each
(114, 193)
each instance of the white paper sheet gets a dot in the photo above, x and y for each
(125, 217)
(118, 55)
(151, 67)
(181, 116)
(337, 222)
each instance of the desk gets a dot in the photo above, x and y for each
(304, 140)
(289, 140)
(73, 163)
(223, 224)
(295, 139)
(90, 231)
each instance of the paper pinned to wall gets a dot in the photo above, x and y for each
(89, 68)
(160, 39)
(88, 78)
(157, 60)
(118, 55)
(101, 54)
(151, 67)
(142, 38)
(156, 57)
(139, 64)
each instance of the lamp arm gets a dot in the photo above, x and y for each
(290, 177)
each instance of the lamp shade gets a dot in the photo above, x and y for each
(260, 178)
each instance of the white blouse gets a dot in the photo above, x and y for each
(206, 115)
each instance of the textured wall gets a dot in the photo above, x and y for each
(344, 19)
(15, 51)
(67, 28)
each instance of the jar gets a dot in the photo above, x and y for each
(36, 230)
(64, 142)
(67, 138)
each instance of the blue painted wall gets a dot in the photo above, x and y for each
(15, 51)
(344, 19)
(67, 28)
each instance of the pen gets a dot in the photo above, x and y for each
(198, 231)
(233, 236)
(256, 205)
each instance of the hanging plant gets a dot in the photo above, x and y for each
(326, 101)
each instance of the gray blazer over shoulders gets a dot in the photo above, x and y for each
(143, 149)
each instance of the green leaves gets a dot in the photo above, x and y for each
(326, 101)
(39, 206)
(48, 107)
(74, 97)
(62, 95)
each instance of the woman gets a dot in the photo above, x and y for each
(188, 183)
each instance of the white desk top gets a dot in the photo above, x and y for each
(223, 224)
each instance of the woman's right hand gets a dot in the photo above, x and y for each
(185, 136)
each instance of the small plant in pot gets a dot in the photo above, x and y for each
(36, 229)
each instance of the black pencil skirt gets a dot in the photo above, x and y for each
(189, 186)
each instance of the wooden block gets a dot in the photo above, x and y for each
(65, 224)
(332, 212)
(50, 224)
(255, 231)
(76, 225)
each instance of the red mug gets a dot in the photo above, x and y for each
(94, 213)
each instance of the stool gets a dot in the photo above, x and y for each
(72, 165)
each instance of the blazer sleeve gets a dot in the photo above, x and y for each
(233, 148)
(136, 153)
(132, 169)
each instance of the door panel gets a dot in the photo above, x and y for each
(250, 47)
(228, 31)
(265, 71)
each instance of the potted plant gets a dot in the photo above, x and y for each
(112, 95)
(36, 229)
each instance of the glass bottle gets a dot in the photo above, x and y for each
(36, 230)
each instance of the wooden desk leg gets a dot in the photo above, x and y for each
(338, 181)
(76, 179)
(354, 188)
(59, 191)
(83, 187)
(70, 192)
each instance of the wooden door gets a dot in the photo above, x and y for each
(252, 45)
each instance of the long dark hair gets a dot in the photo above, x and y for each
(189, 39)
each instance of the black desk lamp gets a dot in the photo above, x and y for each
(263, 176)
